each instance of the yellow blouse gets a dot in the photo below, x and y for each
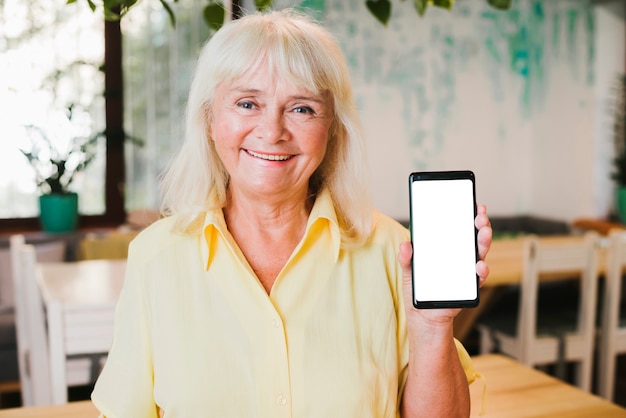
(196, 335)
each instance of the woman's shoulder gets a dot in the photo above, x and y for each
(387, 229)
(162, 226)
(159, 237)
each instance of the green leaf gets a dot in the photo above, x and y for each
(214, 15)
(91, 4)
(262, 5)
(111, 16)
(112, 8)
(446, 4)
(125, 6)
(500, 4)
(169, 11)
(420, 6)
(381, 10)
(111, 4)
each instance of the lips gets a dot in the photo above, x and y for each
(269, 157)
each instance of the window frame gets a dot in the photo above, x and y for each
(115, 212)
(115, 165)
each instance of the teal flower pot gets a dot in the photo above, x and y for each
(621, 203)
(58, 212)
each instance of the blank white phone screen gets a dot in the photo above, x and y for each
(444, 244)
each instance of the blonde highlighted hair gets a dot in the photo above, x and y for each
(295, 47)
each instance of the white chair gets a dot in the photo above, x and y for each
(558, 337)
(46, 252)
(27, 349)
(50, 357)
(30, 327)
(613, 325)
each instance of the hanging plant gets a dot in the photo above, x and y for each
(214, 14)
(381, 9)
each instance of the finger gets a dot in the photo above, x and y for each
(482, 219)
(484, 241)
(481, 208)
(405, 254)
(482, 269)
(485, 233)
(404, 258)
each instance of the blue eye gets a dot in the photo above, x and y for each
(304, 109)
(245, 105)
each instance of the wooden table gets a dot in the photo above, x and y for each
(82, 284)
(80, 299)
(82, 409)
(602, 226)
(515, 390)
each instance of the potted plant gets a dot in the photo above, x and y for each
(619, 142)
(56, 163)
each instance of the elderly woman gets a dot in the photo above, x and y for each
(272, 288)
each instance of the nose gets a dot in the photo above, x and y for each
(271, 126)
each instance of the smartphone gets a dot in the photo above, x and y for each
(444, 238)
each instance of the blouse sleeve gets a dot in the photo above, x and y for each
(125, 385)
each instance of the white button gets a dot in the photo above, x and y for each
(281, 400)
(276, 322)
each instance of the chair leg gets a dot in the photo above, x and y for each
(486, 342)
(606, 376)
(583, 370)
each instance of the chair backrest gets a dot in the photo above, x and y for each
(30, 325)
(611, 303)
(46, 251)
(558, 257)
(6, 284)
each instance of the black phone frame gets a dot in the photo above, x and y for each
(444, 175)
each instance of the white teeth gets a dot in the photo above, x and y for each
(269, 156)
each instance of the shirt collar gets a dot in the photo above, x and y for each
(322, 215)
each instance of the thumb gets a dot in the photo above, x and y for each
(405, 254)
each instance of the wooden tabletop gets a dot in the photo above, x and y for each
(602, 226)
(82, 409)
(505, 261)
(79, 283)
(514, 390)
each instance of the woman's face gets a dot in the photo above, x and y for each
(270, 134)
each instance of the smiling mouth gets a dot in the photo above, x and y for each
(269, 157)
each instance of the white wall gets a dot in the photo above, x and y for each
(519, 97)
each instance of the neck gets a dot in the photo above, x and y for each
(267, 227)
(289, 214)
